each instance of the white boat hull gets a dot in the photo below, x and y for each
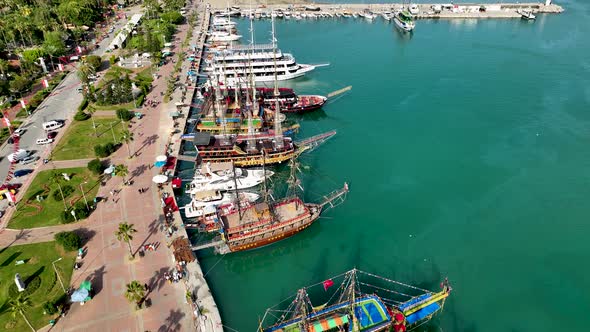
(402, 25)
(195, 208)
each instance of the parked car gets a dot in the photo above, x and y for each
(18, 155)
(414, 10)
(42, 141)
(28, 160)
(19, 131)
(53, 124)
(51, 134)
(22, 172)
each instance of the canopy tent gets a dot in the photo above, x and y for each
(82, 294)
(161, 158)
(160, 178)
(159, 163)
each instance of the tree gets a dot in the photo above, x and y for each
(127, 138)
(125, 234)
(58, 178)
(19, 84)
(122, 171)
(19, 305)
(84, 72)
(135, 292)
(70, 241)
(53, 44)
(95, 61)
(4, 65)
(96, 166)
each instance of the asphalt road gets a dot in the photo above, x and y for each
(62, 104)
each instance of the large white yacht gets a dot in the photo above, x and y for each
(404, 21)
(207, 199)
(231, 66)
(221, 177)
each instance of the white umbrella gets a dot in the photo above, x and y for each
(160, 178)
(109, 170)
(161, 158)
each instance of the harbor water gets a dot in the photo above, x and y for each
(465, 146)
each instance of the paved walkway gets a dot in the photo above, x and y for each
(106, 263)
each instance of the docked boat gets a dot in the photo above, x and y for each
(312, 8)
(265, 63)
(223, 36)
(231, 65)
(206, 199)
(527, 15)
(269, 221)
(224, 177)
(289, 101)
(404, 21)
(358, 302)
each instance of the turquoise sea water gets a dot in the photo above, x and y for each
(466, 148)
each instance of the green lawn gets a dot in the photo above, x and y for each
(79, 140)
(38, 258)
(31, 214)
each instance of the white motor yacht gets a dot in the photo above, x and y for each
(221, 177)
(526, 15)
(404, 21)
(223, 36)
(207, 199)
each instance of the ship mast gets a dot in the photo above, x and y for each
(277, 121)
(233, 166)
(220, 113)
(355, 326)
(302, 308)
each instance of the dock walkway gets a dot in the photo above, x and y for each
(204, 307)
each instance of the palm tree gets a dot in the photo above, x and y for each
(58, 178)
(135, 292)
(84, 72)
(125, 233)
(127, 137)
(19, 305)
(122, 171)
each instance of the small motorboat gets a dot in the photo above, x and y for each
(526, 15)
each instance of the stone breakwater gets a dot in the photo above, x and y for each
(425, 11)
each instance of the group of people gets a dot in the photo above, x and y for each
(152, 103)
(175, 276)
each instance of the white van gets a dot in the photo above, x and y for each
(52, 125)
(42, 141)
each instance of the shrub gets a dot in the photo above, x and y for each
(100, 151)
(103, 151)
(95, 61)
(83, 105)
(49, 308)
(67, 190)
(70, 241)
(124, 114)
(81, 116)
(79, 209)
(113, 60)
(95, 166)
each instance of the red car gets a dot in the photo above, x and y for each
(51, 134)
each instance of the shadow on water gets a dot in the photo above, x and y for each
(402, 36)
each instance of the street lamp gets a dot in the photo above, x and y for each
(58, 277)
(84, 194)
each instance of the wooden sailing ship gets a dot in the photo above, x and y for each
(259, 224)
(363, 302)
(253, 148)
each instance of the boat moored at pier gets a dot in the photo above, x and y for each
(363, 302)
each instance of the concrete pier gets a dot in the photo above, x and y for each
(426, 11)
